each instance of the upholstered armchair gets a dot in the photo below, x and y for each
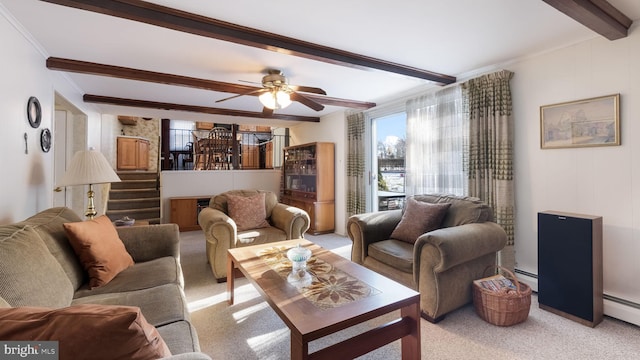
(454, 240)
(247, 217)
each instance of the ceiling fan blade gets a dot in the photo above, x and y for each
(250, 82)
(307, 89)
(247, 93)
(267, 112)
(306, 101)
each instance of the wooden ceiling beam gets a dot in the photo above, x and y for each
(98, 99)
(204, 26)
(597, 15)
(90, 68)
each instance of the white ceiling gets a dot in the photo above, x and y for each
(454, 37)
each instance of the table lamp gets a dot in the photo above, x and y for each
(89, 167)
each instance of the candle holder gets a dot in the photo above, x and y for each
(299, 276)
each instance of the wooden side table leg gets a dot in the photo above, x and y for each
(411, 343)
(230, 279)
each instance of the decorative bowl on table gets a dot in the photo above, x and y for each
(299, 276)
(125, 221)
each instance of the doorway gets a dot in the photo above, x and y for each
(69, 136)
(388, 137)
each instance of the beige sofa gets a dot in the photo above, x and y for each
(442, 263)
(52, 276)
(221, 231)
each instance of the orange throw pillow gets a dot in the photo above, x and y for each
(101, 252)
(248, 212)
(86, 331)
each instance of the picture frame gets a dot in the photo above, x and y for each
(581, 123)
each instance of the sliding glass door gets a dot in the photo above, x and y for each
(387, 171)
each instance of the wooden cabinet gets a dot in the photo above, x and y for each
(204, 125)
(570, 278)
(133, 153)
(308, 183)
(185, 210)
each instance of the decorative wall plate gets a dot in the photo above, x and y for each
(45, 140)
(34, 112)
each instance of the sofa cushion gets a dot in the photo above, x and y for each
(160, 305)
(463, 210)
(29, 274)
(395, 253)
(248, 212)
(48, 224)
(180, 336)
(142, 275)
(4, 303)
(99, 248)
(260, 236)
(87, 331)
(419, 218)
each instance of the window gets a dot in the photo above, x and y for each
(388, 161)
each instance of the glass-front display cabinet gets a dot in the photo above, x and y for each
(308, 183)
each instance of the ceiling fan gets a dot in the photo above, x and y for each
(276, 93)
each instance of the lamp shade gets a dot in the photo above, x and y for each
(89, 167)
(276, 99)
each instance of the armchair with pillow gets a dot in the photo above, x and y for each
(239, 218)
(437, 245)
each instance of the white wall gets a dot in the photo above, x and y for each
(331, 128)
(212, 182)
(27, 185)
(602, 181)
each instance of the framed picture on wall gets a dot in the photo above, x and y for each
(581, 123)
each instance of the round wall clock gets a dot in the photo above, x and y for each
(45, 140)
(34, 112)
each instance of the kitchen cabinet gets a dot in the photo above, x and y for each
(133, 153)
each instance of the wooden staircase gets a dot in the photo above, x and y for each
(136, 196)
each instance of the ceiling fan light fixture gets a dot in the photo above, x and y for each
(276, 99)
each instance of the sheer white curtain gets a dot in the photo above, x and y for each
(437, 136)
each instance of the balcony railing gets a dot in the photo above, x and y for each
(198, 150)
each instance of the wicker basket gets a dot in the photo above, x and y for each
(503, 309)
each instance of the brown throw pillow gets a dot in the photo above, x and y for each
(419, 218)
(86, 331)
(248, 212)
(101, 252)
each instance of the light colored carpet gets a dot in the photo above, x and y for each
(250, 329)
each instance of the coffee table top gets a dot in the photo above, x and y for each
(343, 293)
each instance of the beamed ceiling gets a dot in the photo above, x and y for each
(175, 59)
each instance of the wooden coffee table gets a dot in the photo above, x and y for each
(343, 294)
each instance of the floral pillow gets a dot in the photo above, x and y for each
(248, 212)
(419, 217)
